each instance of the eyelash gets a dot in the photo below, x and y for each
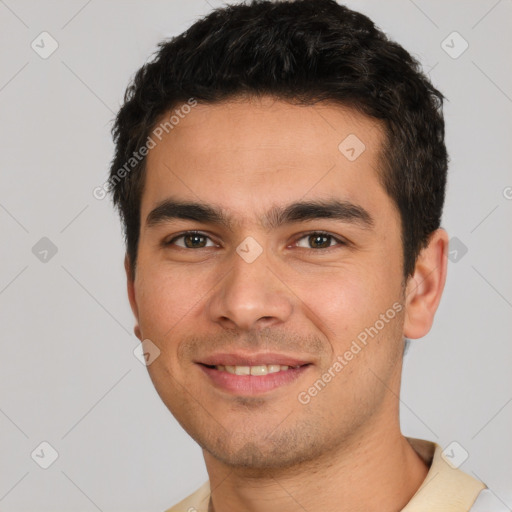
(304, 235)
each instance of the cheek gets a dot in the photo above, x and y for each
(340, 298)
(166, 298)
(344, 302)
(336, 302)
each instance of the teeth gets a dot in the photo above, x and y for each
(259, 370)
(262, 369)
(243, 370)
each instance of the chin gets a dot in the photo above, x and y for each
(262, 452)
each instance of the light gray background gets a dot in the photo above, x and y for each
(68, 373)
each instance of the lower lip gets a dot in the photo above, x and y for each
(252, 384)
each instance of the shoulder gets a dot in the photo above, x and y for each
(446, 487)
(196, 502)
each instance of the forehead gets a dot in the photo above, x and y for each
(251, 154)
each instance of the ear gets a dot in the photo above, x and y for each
(425, 287)
(130, 283)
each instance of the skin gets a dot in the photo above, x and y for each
(344, 449)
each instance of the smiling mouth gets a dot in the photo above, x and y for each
(256, 370)
(250, 380)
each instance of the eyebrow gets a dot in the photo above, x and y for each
(277, 216)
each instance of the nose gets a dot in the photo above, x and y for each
(252, 296)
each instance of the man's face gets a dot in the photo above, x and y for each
(268, 287)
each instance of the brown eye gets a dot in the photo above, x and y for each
(319, 240)
(191, 240)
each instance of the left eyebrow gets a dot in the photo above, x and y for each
(277, 216)
(344, 211)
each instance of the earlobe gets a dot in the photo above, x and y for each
(425, 288)
(130, 285)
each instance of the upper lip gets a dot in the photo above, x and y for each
(240, 359)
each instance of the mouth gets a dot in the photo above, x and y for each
(250, 380)
(256, 370)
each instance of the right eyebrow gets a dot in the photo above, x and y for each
(171, 209)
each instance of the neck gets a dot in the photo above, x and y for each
(378, 470)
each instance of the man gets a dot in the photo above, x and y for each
(280, 171)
